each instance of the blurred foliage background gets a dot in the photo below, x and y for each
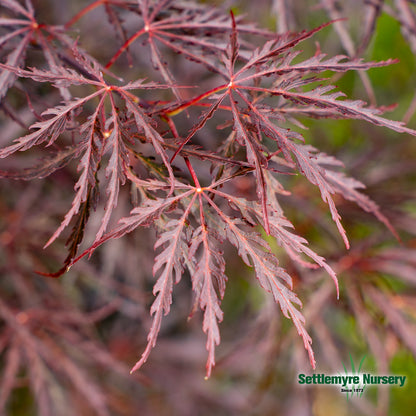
(67, 346)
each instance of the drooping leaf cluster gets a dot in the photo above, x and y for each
(155, 135)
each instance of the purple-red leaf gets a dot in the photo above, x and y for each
(209, 279)
(255, 252)
(169, 263)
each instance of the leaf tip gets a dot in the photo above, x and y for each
(136, 367)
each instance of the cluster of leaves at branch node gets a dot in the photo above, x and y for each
(257, 86)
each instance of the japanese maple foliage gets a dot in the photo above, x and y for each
(152, 133)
